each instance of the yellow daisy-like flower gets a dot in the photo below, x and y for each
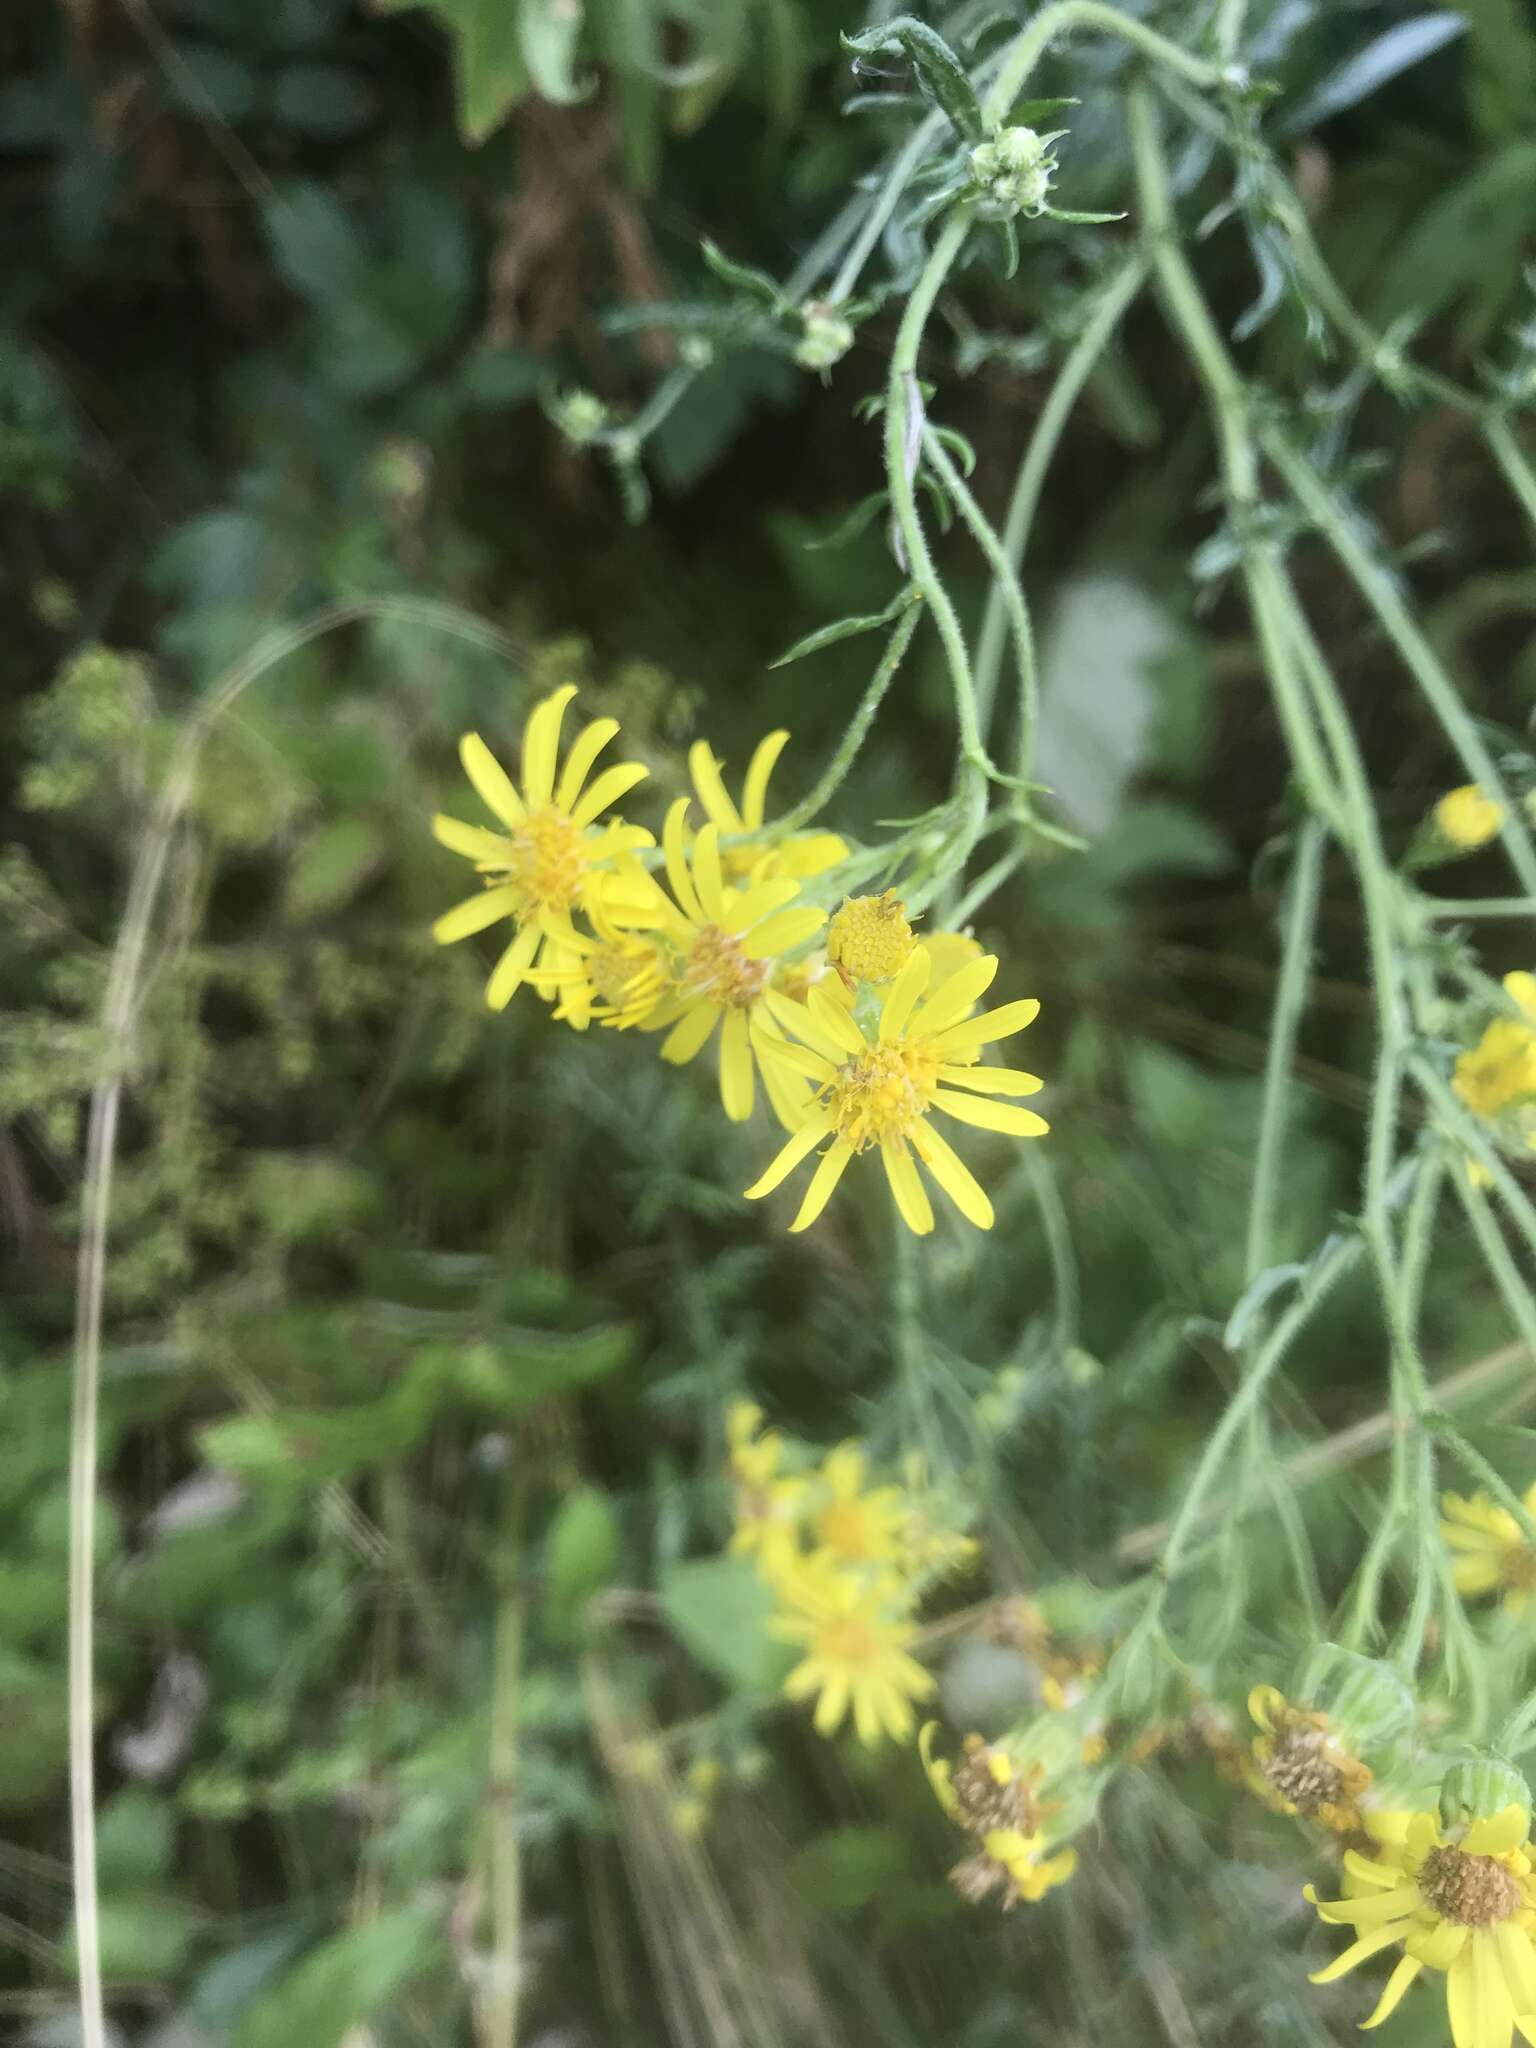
(769, 1502)
(1468, 817)
(725, 944)
(853, 1526)
(882, 1092)
(1301, 1767)
(855, 1633)
(539, 868)
(1501, 1068)
(1495, 1556)
(800, 856)
(996, 1804)
(1463, 1903)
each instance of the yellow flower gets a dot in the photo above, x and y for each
(948, 951)
(538, 870)
(725, 942)
(1495, 1556)
(881, 1092)
(800, 856)
(996, 1804)
(769, 1503)
(624, 976)
(1468, 818)
(1501, 1068)
(869, 939)
(852, 1526)
(1463, 1903)
(1300, 1766)
(855, 1634)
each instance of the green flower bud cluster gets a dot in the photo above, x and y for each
(1012, 173)
(580, 416)
(825, 337)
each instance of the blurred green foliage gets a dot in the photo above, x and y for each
(419, 1322)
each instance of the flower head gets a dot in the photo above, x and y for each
(1468, 817)
(825, 336)
(882, 1091)
(1460, 1901)
(1301, 1767)
(1500, 1070)
(724, 944)
(850, 1525)
(855, 1631)
(869, 939)
(770, 1504)
(996, 1803)
(1012, 173)
(1494, 1554)
(540, 868)
(800, 856)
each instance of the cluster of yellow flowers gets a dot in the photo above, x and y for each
(859, 1029)
(1496, 1078)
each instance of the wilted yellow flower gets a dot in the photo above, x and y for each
(1462, 1902)
(539, 869)
(1467, 817)
(869, 939)
(1301, 1767)
(770, 1503)
(996, 1804)
(800, 856)
(725, 943)
(852, 1526)
(882, 1092)
(1501, 1068)
(1494, 1554)
(855, 1632)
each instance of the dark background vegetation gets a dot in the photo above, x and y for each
(419, 1316)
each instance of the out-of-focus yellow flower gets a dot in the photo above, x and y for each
(1500, 1069)
(869, 939)
(852, 1526)
(1493, 1554)
(1461, 1902)
(770, 1503)
(948, 952)
(726, 942)
(800, 856)
(882, 1091)
(1301, 1767)
(538, 869)
(996, 1804)
(1468, 817)
(855, 1631)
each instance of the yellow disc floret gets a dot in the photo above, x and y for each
(1468, 817)
(869, 938)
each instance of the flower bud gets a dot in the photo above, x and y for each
(869, 938)
(1365, 1701)
(1480, 1788)
(825, 338)
(1013, 173)
(580, 416)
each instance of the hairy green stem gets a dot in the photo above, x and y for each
(1290, 1003)
(832, 777)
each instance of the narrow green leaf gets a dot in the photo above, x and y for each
(340, 1983)
(844, 629)
(940, 75)
(742, 277)
(547, 33)
(721, 1609)
(1405, 44)
(581, 1554)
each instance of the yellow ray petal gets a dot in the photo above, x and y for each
(835, 1023)
(511, 967)
(588, 744)
(492, 784)
(953, 1176)
(744, 907)
(675, 850)
(1391, 1996)
(990, 1025)
(474, 914)
(612, 784)
(953, 997)
(799, 1019)
(706, 872)
(754, 791)
(988, 1115)
(901, 1001)
(689, 1035)
(906, 1185)
(735, 1067)
(1497, 1835)
(993, 1080)
(782, 932)
(541, 744)
(829, 1171)
(710, 790)
(1357, 1952)
(473, 841)
(787, 1158)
